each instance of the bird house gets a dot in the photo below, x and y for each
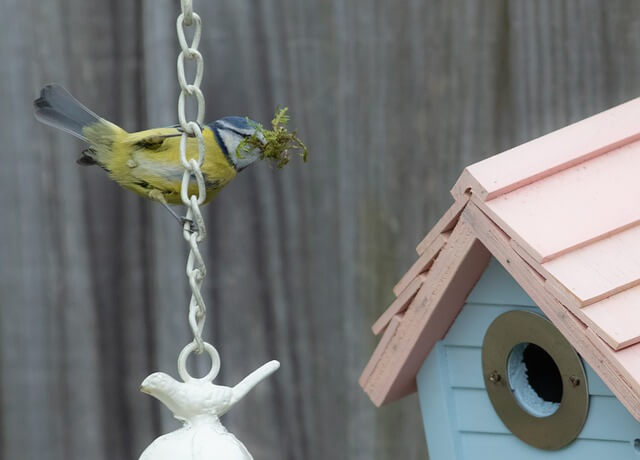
(519, 323)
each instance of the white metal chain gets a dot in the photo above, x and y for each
(196, 269)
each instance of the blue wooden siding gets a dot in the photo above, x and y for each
(460, 422)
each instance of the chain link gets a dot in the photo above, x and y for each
(190, 52)
(196, 269)
(187, 11)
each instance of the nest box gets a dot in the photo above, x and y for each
(519, 323)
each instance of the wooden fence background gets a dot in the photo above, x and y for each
(393, 99)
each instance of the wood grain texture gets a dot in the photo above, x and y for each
(393, 101)
(444, 224)
(399, 305)
(464, 375)
(388, 335)
(427, 319)
(554, 152)
(575, 207)
(600, 269)
(618, 369)
(608, 419)
(422, 264)
(615, 319)
(452, 387)
(437, 405)
(509, 446)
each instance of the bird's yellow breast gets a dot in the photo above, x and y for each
(149, 160)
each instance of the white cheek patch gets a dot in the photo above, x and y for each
(231, 141)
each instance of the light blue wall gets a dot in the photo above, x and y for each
(460, 422)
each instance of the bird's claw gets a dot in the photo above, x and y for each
(193, 228)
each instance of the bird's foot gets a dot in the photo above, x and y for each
(88, 157)
(192, 225)
(192, 228)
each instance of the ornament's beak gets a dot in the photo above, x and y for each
(156, 384)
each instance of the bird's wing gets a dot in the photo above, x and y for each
(152, 139)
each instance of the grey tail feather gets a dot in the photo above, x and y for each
(58, 108)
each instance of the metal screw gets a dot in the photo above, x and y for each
(575, 381)
(495, 377)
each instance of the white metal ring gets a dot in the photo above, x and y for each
(182, 39)
(196, 56)
(201, 146)
(202, 188)
(186, 228)
(184, 355)
(195, 91)
(196, 269)
(184, 188)
(196, 322)
(195, 257)
(183, 150)
(195, 281)
(199, 220)
(187, 11)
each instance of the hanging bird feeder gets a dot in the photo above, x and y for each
(197, 402)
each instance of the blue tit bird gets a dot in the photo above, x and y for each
(148, 162)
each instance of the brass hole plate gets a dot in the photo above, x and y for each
(563, 426)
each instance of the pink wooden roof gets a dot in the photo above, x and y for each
(561, 213)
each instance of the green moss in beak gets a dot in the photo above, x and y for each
(276, 144)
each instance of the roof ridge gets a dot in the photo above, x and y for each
(411, 334)
(551, 153)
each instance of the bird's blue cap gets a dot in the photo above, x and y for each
(241, 125)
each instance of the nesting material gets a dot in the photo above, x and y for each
(276, 144)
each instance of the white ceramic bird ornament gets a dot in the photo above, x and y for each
(198, 404)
